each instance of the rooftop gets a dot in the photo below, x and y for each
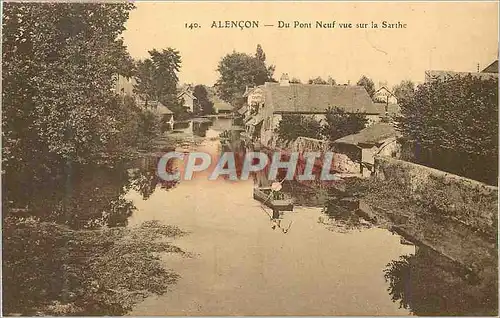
(310, 98)
(371, 135)
(445, 75)
(492, 68)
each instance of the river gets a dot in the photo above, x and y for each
(241, 266)
(321, 260)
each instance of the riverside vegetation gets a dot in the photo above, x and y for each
(67, 139)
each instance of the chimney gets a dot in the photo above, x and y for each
(284, 80)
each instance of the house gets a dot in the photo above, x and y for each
(355, 153)
(187, 98)
(221, 107)
(269, 102)
(388, 109)
(446, 75)
(242, 111)
(164, 112)
(158, 109)
(384, 95)
(492, 68)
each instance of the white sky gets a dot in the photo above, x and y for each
(440, 36)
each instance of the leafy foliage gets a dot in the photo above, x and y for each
(340, 124)
(60, 121)
(259, 53)
(293, 126)
(239, 70)
(319, 81)
(367, 84)
(97, 272)
(423, 283)
(156, 80)
(57, 71)
(404, 90)
(452, 125)
(205, 104)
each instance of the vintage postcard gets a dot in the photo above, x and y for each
(215, 158)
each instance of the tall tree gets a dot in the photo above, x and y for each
(404, 90)
(58, 63)
(156, 77)
(206, 106)
(331, 81)
(239, 70)
(367, 84)
(259, 54)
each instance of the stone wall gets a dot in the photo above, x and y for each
(305, 144)
(467, 201)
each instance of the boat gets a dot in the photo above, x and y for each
(262, 194)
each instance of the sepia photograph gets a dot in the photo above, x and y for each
(250, 158)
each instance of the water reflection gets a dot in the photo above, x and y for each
(182, 126)
(342, 217)
(429, 284)
(144, 178)
(200, 128)
(93, 196)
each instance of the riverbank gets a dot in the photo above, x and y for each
(84, 272)
(467, 252)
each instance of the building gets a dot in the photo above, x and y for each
(124, 86)
(354, 154)
(158, 109)
(221, 107)
(491, 71)
(269, 102)
(187, 98)
(384, 95)
(388, 109)
(164, 112)
(492, 68)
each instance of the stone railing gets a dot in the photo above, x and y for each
(468, 201)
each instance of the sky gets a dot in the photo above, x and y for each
(453, 36)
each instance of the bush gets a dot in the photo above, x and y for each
(293, 126)
(340, 124)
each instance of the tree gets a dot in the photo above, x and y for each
(156, 78)
(317, 81)
(59, 109)
(320, 81)
(340, 124)
(295, 80)
(259, 54)
(206, 106)
(331, 81)
(293, 126)
(404, 90)
(452, 125)
(367, 84)
(239, 70)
